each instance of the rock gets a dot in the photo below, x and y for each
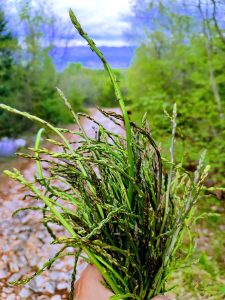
(5, 248)
(14, 277)
(59, 265)
(7, 290)
(58, 276)
(50, 287)
(11, 297)
(13, 265)
(33, 261)
(25, 293)
(56, 297)
(3, 274)
(37, 284)
(62, 286)
(22, 261)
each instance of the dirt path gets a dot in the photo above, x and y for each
(24, 242)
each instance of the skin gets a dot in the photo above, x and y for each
(89, 286)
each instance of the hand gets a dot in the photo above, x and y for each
(89, 286)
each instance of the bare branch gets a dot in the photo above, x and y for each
(218, 29)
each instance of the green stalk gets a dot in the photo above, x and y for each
(68, 105)
(168, 190)
(118, 96)
(17, 176)
(36, 147)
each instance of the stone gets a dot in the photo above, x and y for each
(5, 248)
(13, 265)
(56, 297)
(58, 276)
(25, 293)
(40, 281)
(7, 290)
(62, 286)
(11, 297)
(3, 274)
(14, 277)
(33, 261)
(59, 265)
(50, 288)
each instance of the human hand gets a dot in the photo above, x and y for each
(89, 286)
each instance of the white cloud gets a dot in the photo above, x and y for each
(102, 19)
(99, 42)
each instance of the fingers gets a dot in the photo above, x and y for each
(160, 298)
(89, 286)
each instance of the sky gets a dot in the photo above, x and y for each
(108, 23)
(105, 20)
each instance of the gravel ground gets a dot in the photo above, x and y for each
(24, 242)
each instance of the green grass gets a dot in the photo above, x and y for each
(204, 279)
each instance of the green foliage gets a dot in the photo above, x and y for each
(179, 64)
(87, 87)
(37, 75)
(28, 76)
(8, 87)
(203, 277)
(7, 44)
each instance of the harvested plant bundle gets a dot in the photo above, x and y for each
(114, 197)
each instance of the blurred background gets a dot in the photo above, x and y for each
(163, 52)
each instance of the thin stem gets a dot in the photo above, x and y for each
(168, 190)
(118, 96)
(36, 147)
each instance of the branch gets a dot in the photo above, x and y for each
(219, 31)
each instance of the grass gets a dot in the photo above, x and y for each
(121, 203)
(205, 278)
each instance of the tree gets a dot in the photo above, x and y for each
(37, 76)
(9, 125)
(7, 44)
(178, 62)
(215, 18)
(207, 31)
(87, 87)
